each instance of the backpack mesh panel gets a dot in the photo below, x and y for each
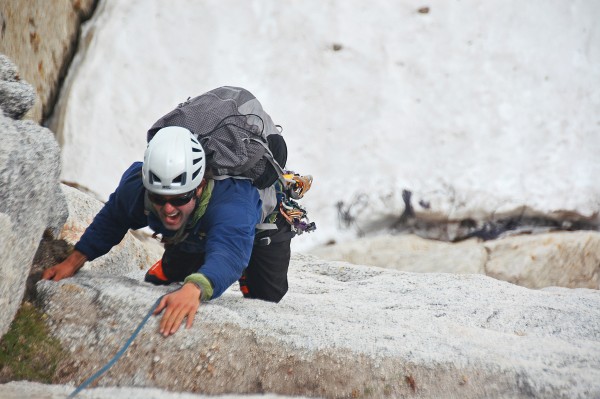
(225, 134)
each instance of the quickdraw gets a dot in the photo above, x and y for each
(297, 185)
(295, 188)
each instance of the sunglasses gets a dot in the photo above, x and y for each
(175, 201)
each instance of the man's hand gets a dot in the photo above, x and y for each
(66, 268)
(179, 304)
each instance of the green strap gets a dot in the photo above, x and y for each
(203, 201)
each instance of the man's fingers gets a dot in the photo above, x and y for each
(48, 274)
(177, 320)
(168, 319)
(173, 319)
(164, 320)
(170, 322)
(190, 318)
(161, 306)
(55, 274)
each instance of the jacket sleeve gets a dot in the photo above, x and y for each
(124, 210)
(231, 220)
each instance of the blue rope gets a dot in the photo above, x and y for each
(119, 353)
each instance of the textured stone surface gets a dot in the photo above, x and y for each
(24, 389)
(41, 41)
(409, 253)
(342, 331)
(567, 259)
(31, 201)
(29, 170)
(16, 96)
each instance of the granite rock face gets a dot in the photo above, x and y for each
(41, 40)
(29, 190)
(342, 331)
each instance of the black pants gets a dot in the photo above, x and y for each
(266, 274)
(265, 277)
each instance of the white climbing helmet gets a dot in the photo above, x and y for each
(174, 162)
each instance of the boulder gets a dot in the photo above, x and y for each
(342, 331)
(29, 194)
(129, 255)
(16, 96)
(42, 40)
(565, 259)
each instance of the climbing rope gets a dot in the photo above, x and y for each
(119, 353)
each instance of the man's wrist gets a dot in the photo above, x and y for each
(200, 281)
(193, 284)
(76, 260)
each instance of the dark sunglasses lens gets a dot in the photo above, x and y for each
(177, 201)
(157, 199)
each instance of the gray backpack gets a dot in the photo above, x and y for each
(238, 136)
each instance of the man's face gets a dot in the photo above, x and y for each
(173, 216)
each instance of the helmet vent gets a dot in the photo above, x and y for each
(199, 159)
(196, 173)
(154, 178)
(179, 179)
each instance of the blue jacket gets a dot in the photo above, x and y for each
(225, 233)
